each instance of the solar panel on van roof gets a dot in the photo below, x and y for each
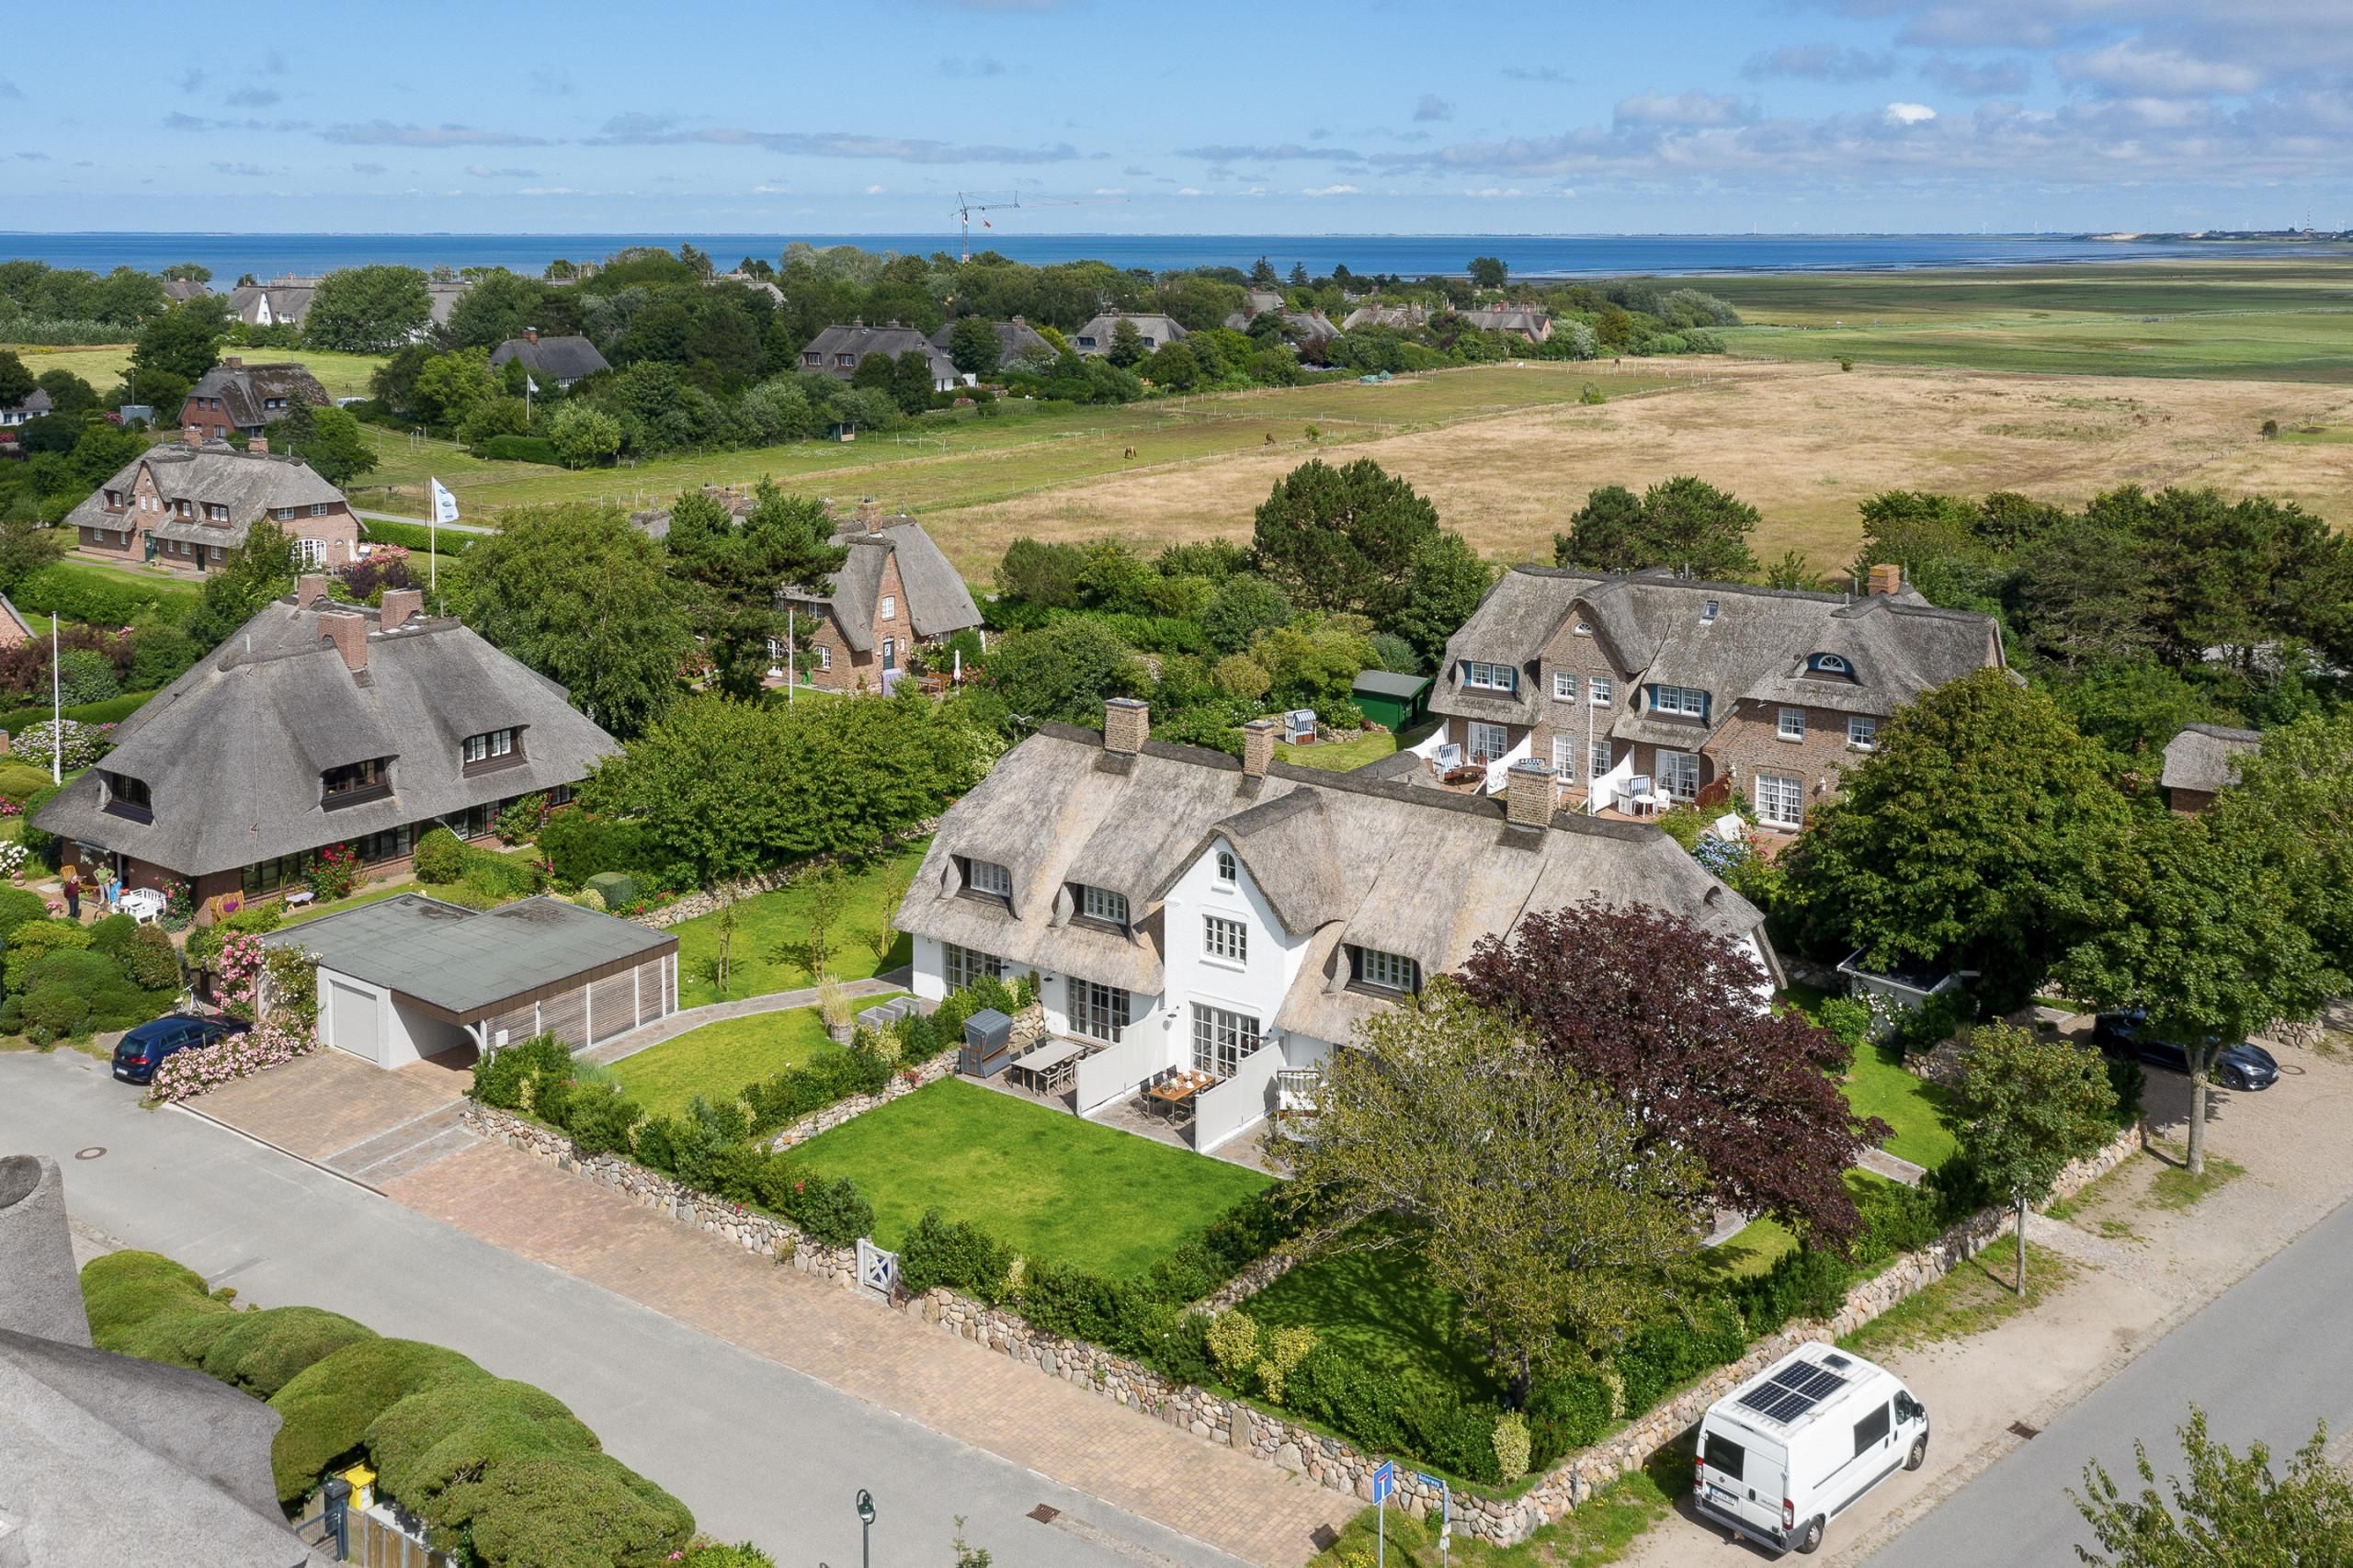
(1792, 1391)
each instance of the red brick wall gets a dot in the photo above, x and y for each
(1585, 656)
(1749, 744)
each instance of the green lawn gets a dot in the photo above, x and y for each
(1049, 1184)
(718, 1060)
(1343, 755)
(770, 950)
(174, 593)
(1751, 1250)
(1379, 1305)
(1878, 1086)
(343, 375)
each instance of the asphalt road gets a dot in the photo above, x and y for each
(758, 1452)
(2264, 1360)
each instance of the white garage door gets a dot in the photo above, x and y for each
(352, 1019)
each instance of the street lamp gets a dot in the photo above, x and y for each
(865, 1527)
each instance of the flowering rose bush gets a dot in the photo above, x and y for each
(335, 873)
(83, 744)
(188, 1073)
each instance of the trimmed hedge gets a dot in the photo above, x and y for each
(123, 1290)
(266, 1350)
(328, 1406)
(522, 449)
(113, 711)
(417, 536)
(73, 591)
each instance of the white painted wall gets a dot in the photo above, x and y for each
(1254, 987)
(1242, 1101)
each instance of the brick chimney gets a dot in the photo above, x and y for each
(401, 606)
(309, 589)
(192, 435)
(870, 515)
(234, 362)
(1127, 723)
(1528, 793)
(348, 632)
(1258, 747)
(258, 444)
(1886, 578)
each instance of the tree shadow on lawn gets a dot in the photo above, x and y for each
(1380, 1305)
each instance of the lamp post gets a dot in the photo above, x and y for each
(865, 1527)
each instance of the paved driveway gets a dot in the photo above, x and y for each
(756, 1449)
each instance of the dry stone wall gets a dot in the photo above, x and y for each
(1228, 1423)
(708, 900)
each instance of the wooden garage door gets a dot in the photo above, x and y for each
(352, 1023)
(561, 1015)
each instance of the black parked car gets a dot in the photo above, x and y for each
(2240, 1066)
(143, 1049)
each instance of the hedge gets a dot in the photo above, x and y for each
(72, 591)
(502, 1472)
(522, 448)
(418, 537)
(113, 711)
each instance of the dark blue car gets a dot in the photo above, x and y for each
(2240, 1066)
(144, 1048)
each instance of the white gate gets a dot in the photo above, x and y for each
(877, 1270)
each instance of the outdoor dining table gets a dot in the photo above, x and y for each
(1043, 1066)
(1173, 1094)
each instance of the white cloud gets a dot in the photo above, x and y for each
(543, 190)
(1110, 190)
(2131, 67)
(1329, 191)
(765, 189)
(1493, 192)
(873, 191)
(1909, 114)
(1681, 109)
(1188, 190)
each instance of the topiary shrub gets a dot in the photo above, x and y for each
(569, 1511)
(264, 1351)
(109, 935)
(35, 940)
(149, 961)
(177, 1339)
(330, 1405)
(447, 1431)
(17, 782)
(18, 905)
(618, 889)
(439, 856)
(124, 1288)
(48, 1014)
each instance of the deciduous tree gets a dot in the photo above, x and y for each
(1684, 523)
(2022, 1108)
(174, 349)
(1127, 344)
(1541, 1204)
(1344, 538)
(1670, 1020)
(329, 439)
(368, 309)
(581, 597)
(2227, 1510)
(734, 569)
(1975, 838)
(255, 572)
(1443, 588)
(973, 345)
(1063, 672)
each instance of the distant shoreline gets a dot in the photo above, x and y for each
(1531, 257)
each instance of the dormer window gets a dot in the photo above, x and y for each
(128, 797)
(1687, 702)
(491, 748)
(1377, 971)
(1582, 629)
(1489, 677)
(1103, 905)
(986, 879)
(356, 781)
(1828, 664)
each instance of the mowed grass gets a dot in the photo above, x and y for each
(1877, 1084)
(343, 375)
(2285, 321)
(1051, 1185)
(169, 593)
(1370, 1294)
(1975, 1297)
(719, 1061)
(770, 950)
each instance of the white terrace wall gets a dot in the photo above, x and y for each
(1327, 1461)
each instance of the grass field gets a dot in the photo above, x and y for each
(1878, 1086)
(718, 1060)
(343, 375)
(771, 948)
(1049, 1184)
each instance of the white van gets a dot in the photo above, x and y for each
(1788, 1450)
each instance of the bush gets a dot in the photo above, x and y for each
(82, 744)
(36, 842)
(574, 1511)
(957, 1256)
(19, 781)
(177, 1339)
(599, 1119)
(123, 1289)
(579, 844)
(499, 1081)
(617, 888)
(264, 1351)
(447, 1432)
(417, 537)
(35, 940)
(832, 1213)
(84, 675)
(18, 905)
(149, 961)
(522, 449)
(159, 656)
(497, 877)
(439, 856)
(329, 1405)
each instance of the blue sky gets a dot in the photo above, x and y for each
(1365, 116)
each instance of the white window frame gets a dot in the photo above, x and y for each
(310, 552)
(1685, 701)
(1791, 725)
(825, 657)
(1771, 792)
(318, 509)
(1564, 685)
(1829, 665)
(1099, 1012)
(1222, 1039)
(1224, 939)
(1565, 757)
(776, 656)
(1386, 971)
(1679, 774)
(1102, 903)
(988, 878)
(1229, 870)
(1862, 732)
(1601, 690)
(1481, 677)
(1584, 629)
(1598, 761)
(890, 610)
(490, 745)
(1479, 754)
(962, 966)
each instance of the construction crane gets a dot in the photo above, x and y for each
(964, 210)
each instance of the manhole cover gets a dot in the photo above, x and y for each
(1045, 1512)
(94, 1152)
(2021, 1429)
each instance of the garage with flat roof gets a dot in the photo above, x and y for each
(410, 976)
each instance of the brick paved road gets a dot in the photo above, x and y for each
(1088, 1443)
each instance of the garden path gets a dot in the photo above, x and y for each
(678, 1023)
(1237, 1505)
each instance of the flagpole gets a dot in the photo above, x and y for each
(57, 710)
(788, 654)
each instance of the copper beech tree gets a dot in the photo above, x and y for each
(1669, 1018)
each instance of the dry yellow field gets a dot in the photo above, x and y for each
(1804, 443)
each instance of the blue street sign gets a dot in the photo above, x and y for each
(1445, 1495)
(1384, 1481)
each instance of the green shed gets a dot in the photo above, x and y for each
(1398, 701)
